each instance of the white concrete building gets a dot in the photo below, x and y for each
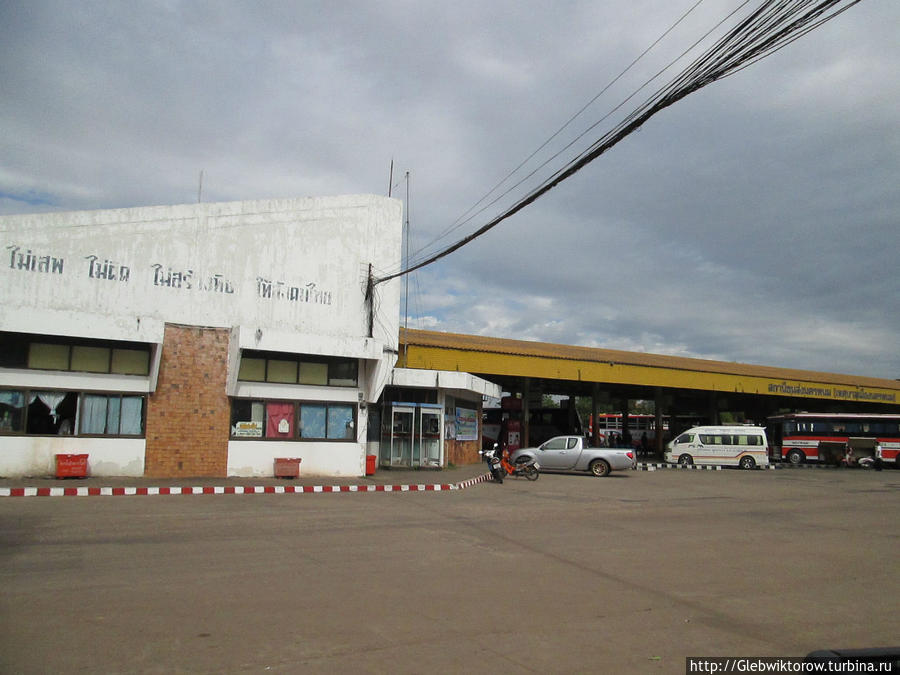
(203, 339)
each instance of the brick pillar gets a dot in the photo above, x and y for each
(188, 419)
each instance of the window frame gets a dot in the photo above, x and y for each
(21, 344)
(78, 423)
(333, 375)
(120, 396)
(296, 432)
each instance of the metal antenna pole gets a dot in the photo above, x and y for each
(406, 278)
(391, 178)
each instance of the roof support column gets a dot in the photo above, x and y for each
(658, 425)
(625, 439)
(526, 412)
(713, 408)
(595, 423)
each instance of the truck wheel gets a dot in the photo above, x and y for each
(599, 468)
(747, 462)
(685, 460)
(796, 457)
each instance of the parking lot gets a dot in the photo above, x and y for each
(630, 573)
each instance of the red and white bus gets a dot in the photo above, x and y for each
(829, 437)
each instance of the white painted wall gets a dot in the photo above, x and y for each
(36, 455)
(295, 265)
(256, 458)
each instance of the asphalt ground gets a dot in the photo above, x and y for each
(568, 574)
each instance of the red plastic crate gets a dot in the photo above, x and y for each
(370, 464)
(71, 466)
(287, 467)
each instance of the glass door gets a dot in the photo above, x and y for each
(401, 441)
(430, 436)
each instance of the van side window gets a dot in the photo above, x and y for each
(684, 438)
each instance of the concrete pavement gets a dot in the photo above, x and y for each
(452, 476)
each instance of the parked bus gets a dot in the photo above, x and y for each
(833, 437)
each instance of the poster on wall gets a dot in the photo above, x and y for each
(449, 427)
(251, 429)
(466, 424)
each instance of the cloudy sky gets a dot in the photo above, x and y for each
(754, 221)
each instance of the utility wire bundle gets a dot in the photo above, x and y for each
(771, 26)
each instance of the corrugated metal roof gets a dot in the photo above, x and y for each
(481, 343)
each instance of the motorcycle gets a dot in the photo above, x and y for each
(873, 462)
(494, 464)
(502, 467)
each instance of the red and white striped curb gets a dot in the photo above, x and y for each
(230, 489)
(677, 467)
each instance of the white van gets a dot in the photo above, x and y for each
(742, 446)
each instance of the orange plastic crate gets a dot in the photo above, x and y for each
(71, 466)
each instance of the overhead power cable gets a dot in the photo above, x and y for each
(471, 212)
(767, 29)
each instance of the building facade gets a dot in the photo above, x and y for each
(197, 340)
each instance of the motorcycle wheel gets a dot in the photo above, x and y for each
(498, 475)
(531, 473)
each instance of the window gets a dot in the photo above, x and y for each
(715, 439)
(282, 368)
(112, 415)
(90, 359)
(252, 370)
(13, 350)
(313, 421)
(279, 420)
(340, 422)
(290, 420)
(130, 361)
(42, 352)
(247, 419)
(12, 411)
(44, 413)
(684, 438)
(343, 372)
(51, 412)
(313, 373)
(284, 372)
(48, 356)
(814, 427)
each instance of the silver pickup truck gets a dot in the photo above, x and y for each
(569, 453)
